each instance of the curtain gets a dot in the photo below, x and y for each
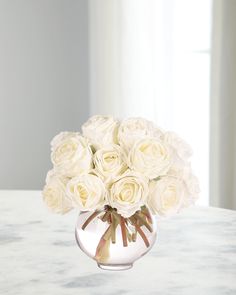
(223, 106)
(129, 43)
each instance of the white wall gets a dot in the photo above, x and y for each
(43, 83)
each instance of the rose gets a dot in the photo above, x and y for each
(190, 181)
(101, 130)
(192, 184)
(181, 153)
(53, 173)
(180, 149)
(192, 188)
(166, 195)
(60, 137)
(87, 192)
(54, 193)
(151, 157)
(128, 193)
(109, 162)
(134, 129)
(71, 154)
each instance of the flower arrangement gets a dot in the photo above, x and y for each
(119, 170)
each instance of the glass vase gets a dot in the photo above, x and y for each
(113, 241)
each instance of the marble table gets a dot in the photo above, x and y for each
(195, 254)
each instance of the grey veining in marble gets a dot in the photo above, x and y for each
(195, 254)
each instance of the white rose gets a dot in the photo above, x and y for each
(53, 173)
(190, 181)
(181, 150)
(179, 172)
(166, 195)
(61, 137)
(71, 154)
(109, 162)
(134, 129)
(128, 193)
(54, 194)
(87, 192)
(151, 157)
(101, 130)
(192, 188)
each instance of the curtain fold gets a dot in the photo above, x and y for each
(223, 106)
(127, 44)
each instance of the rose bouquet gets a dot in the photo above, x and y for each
(122, 173)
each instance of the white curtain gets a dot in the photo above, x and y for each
(223, 106)
(127, 46)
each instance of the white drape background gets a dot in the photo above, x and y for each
(127, 45)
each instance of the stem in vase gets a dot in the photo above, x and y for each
(102, 251)
(91, 217)
(123, 231)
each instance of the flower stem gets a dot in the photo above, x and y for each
(123, 231)
(147, 214)
(114, 224)
(134, 236)
(102, 250)
(143, 221)
(106, 216)
(143, 236)
(129, 236)
(91, 217)
(139, 230)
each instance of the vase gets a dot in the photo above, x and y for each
(113, 241)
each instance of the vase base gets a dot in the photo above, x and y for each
(115, 267)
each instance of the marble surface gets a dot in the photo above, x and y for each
(195, 254)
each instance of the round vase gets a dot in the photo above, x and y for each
(114, 242)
